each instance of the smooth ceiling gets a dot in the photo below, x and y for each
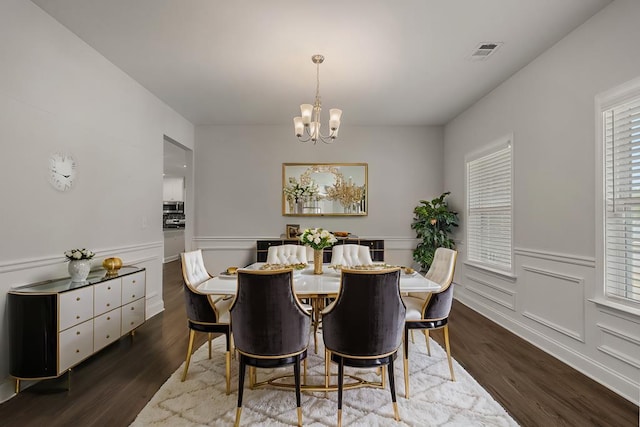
(403, 62)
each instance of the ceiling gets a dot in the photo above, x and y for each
(248, 62)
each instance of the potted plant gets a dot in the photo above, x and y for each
(433, 222)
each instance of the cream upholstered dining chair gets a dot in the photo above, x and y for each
(363, 327)
(350, 255)
(287, 254)
(431, 311)
(205, 313)
(270, 326)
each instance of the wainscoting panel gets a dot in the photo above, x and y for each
(490, 291)
(554, 300)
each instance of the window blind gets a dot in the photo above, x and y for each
(621, 133)
(489, 199)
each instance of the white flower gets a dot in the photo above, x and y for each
(77, 255)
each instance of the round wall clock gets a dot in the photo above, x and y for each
(62, 171)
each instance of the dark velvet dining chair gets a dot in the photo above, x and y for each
(270, 326)
(430, 311)
(363, 326)
(205, 313)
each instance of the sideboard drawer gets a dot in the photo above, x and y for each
(106, 329)
(75, 307)
(107, 296)
(133, 287)
(132, 315)
(75, 344)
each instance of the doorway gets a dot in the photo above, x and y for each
(176, 185)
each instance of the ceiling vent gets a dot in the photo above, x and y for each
(484, 50)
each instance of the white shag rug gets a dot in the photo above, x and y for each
(435, 400)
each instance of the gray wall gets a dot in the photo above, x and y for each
(238, 185)
(549, 107)
(58, 94)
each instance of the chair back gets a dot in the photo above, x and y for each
(438, 304)
(287, 254)
(351, 255)
(193, 269)
(266, 316)
(367, 318)
(199, 307)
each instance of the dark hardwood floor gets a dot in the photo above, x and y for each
(110, 388)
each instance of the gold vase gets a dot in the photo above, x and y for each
(317, 261)
(112, 265)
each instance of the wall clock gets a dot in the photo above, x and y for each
(62, 171)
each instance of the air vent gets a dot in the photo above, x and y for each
(484, 50)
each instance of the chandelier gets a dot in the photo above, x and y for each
(307, 126)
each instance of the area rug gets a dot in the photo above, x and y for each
(435, 400)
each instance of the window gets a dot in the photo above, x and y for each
(621, 176)
(489, 207)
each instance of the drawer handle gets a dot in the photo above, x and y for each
(77, 332)
(133, 281)
(132, 323)
(77, 350)
(133, 308)
(108, 305)
(109, 288)
(107, 336)
(77, 317)
(108, 318)
(78, 299)
(133, 296)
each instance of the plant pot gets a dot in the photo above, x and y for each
(79, 269)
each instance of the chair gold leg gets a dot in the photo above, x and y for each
(300, 417)
(446, 344)
(252, 378)
(192, 335)
(227, 357)
(395, 411)
(327, 369)
(339, 417)
(209, 339)
(406, 376)
(412, 338)
(426, 337)
(17, 386)
(238, 413)
(383, 374)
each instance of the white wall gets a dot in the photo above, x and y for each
(58, 94)
(549, 107)
(238, 181)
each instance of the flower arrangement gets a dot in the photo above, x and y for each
(317, 238)
(76, 254)
(296, 191)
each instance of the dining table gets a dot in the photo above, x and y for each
(316, 288)
(306, 283)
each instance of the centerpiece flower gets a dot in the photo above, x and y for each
(79, 263)
(317, 239)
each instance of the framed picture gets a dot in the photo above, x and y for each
(292, 231)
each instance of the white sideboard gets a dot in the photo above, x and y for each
(57, 324)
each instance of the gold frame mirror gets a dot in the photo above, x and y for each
(324, 189)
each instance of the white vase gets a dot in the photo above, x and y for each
(79, 269)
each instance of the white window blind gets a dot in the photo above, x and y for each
(489, 211)
(621, 133)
